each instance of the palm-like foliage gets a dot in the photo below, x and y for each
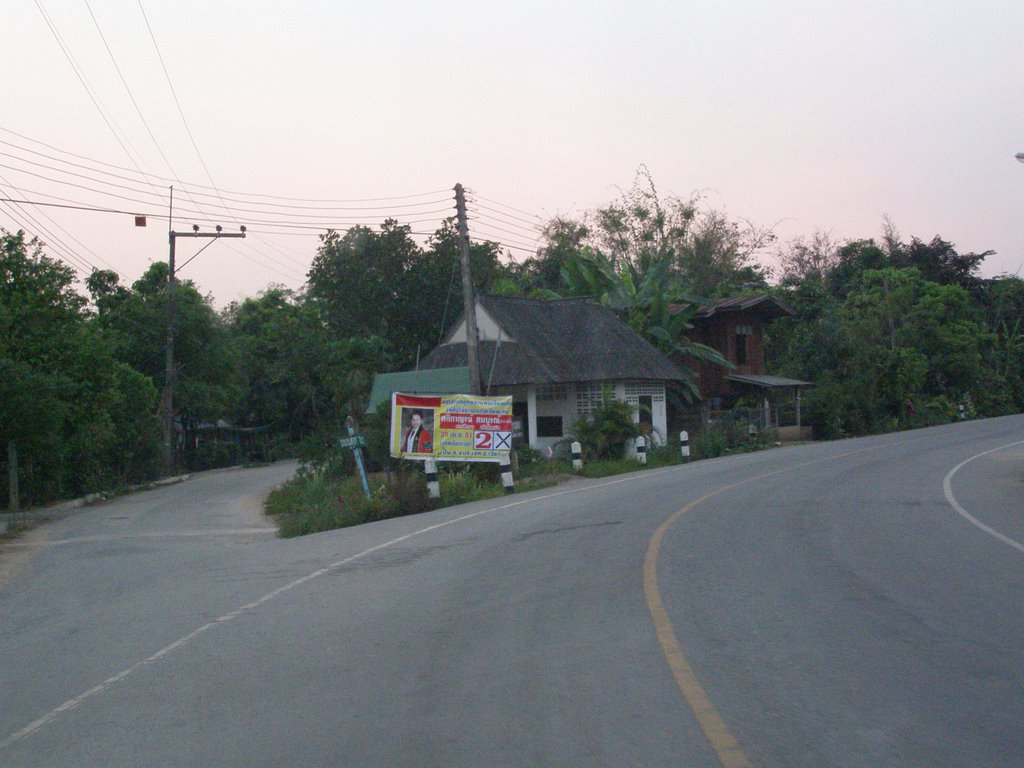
(651, 302)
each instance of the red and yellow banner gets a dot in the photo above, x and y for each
(451, 427)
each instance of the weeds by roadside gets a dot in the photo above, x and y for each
(317, 501)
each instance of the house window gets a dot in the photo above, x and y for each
(547, 393)
(549, 426)
(590, 396)
(742, 333)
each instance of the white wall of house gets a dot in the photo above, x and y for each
(634, 391)
(568, 402)
(487, 329)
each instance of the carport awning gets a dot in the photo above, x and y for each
(768, 382)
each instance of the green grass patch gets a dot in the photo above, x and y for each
(321, 501)
(310, 503)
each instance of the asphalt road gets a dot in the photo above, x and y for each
(857, 603)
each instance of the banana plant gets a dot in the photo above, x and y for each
(651, 302)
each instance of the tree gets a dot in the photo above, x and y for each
(356, 279)
(939, 262)
(652, 304)
(712, 254)
(299, 376)
(1002, 311)
(563, 238)
(808, 260)
(80, 418)
(366, 283)
(207, 369)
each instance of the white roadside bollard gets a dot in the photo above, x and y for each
(641, 450)
(433, 486)
(506, 474)
(577, 457)
(684, 445)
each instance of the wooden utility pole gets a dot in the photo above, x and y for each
(468, 299)
(167, 397)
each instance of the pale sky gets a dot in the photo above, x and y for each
(803, 116)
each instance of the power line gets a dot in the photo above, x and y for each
(58, 226)
(176, 101)
(90, 91)
(69, 173)
(72, 207)
(516, 230)
(288, 275)
(196, 209)
(291, 257)
(157, 177)
(306, 230)
(341, 203)
(60, 245)
(481, 241)
(56, 244)
(533, 224)
(503, 205)
(491, 226)
(129, 90)
(59, 169)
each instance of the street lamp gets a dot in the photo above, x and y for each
(1020, 156)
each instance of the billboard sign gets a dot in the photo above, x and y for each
(451, 427)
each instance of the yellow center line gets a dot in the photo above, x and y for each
(728, 749)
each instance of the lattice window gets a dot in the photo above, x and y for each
(590, 396)
(547, 393)
(634, 390)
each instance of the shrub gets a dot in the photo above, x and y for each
(312, 502)
(605, 433)
(404, 494)
(709, 443)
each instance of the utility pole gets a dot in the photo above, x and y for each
(167, 397)
(468, 299)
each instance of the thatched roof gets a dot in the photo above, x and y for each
(556, 341)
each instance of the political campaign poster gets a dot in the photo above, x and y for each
(451, 427)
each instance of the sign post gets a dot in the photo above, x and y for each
(356, 443)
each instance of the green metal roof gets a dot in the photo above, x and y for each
(435, 381)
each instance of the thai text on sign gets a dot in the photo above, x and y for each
(451, 427)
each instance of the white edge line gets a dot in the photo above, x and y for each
(52, 715)
(947, 487)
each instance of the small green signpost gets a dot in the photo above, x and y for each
(356, 443)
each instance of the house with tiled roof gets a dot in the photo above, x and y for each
(557, 358)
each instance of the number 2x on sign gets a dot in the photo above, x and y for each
(451, 427)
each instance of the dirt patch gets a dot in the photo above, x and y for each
(15, 552)
(254, 505)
